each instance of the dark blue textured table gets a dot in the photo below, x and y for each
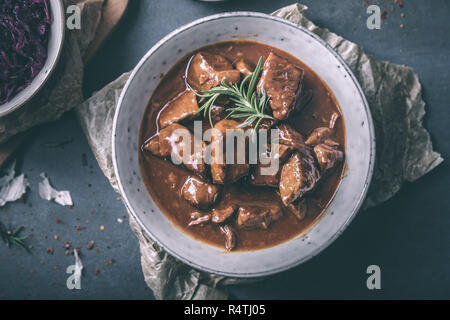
(407, 236)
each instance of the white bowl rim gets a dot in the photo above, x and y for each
(367, 181)
(26, 96)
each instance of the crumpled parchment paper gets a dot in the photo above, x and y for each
(63, 90)
(404, 151)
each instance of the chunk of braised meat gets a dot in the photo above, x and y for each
(319, 135)
(236, 172)
(221, 172)
(152, 145)
(288, 136)
(243, 66)
(183, 106)
(218, 166)
(220, 215)
(282, 82)
(198, 218)
(331, 143)
(328, 156)
(298, 176)
(199, 193)
(322, 134)
(298, 208)
(172, 142)
(230, 237)
(206, 70)
(264, 180)
(260, 177)
(258, 217)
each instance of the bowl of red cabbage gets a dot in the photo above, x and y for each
(31, 41)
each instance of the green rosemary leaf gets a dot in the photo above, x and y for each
(255, 77)
(242, 86)
(10, 238)
(16, 233)
(247, 102)
(232, 115)
(246, 123)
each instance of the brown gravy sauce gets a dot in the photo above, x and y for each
(164, 180)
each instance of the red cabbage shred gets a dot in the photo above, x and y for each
(24, 33)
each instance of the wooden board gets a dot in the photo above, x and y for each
(113, 11)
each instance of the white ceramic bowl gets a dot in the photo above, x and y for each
(360, 144)
(55, 46)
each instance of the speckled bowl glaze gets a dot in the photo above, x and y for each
(360, 144)
(55, 45)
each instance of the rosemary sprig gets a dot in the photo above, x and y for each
(13, 237)
(248, 102)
